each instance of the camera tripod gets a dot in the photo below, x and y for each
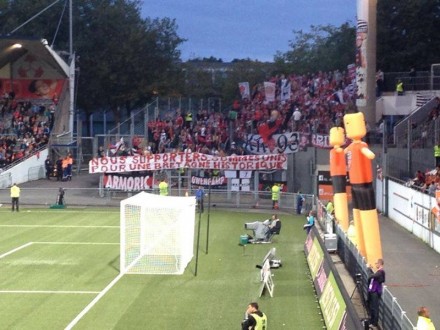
(358, 289)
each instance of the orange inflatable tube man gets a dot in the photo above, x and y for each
(338, 173)
(360, 171)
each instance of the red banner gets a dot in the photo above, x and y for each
(32, 88)
(128, 183)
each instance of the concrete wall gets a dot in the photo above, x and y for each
(28, 170)
(411, 209)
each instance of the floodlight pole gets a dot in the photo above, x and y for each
(71, 72)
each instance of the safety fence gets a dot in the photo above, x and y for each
(214, 198)
(391, 314)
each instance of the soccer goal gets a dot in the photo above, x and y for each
(157, 234)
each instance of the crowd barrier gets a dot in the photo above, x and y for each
(391, 314)
(411, 209)
(96, 197)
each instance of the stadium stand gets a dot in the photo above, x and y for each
(25, 128)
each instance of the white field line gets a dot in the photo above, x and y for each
(76, 243)
(52, 243)
(16, 249)
(93, 302)
(107, 211)
(57, 226)
(49, 292)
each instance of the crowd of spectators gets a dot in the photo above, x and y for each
(427, 182)
(315, 103)
(24, 127)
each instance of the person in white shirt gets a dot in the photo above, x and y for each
(296, 118)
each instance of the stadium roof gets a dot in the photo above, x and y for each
(11, 51)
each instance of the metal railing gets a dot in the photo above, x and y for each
(34, 152)
(391, 314)
(416, 122)
(421, 81)
(163, 109)
(95, 197)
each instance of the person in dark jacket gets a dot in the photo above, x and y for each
(59, 167)
(48, 167)
(375, 287)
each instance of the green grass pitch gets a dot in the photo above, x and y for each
(54, 263)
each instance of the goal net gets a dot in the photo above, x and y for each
(157, 234)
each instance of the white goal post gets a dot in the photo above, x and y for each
(157, 234)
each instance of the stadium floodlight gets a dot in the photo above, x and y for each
(157, 234)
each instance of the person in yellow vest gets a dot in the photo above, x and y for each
(275, 196)
(399, 87)
(437, 154)
(330, 209)
(254, 319)
(163, 188)
(188, 120)
(15, 196)
(424, 322)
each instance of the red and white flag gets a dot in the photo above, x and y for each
(269, 91)
(286, 90)
(244, 90)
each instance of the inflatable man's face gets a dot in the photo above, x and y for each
(337, 137)
(355, 125)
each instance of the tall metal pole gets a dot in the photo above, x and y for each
(70, 28)
(198, 243)
(209, 213)
(71, 73)
(366, 59)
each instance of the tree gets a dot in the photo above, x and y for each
(123, 59)
(15, 13)
(407, 34)
(211, 59)
(127, 59)
(324, 48)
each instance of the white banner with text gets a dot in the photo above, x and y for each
(157, 162)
